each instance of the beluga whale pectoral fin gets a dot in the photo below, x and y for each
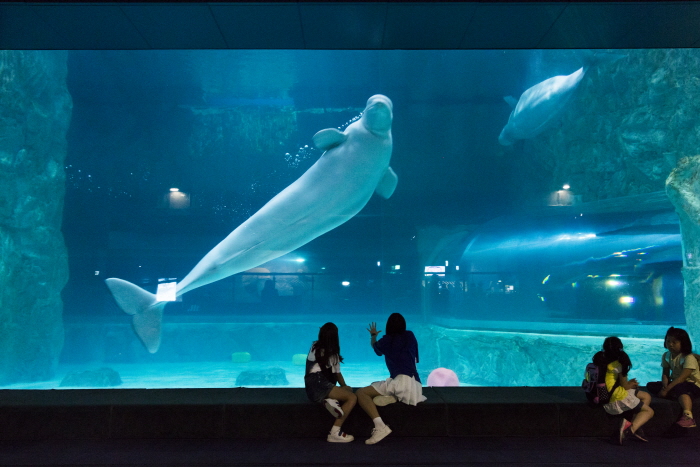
(329, 138)
(387, 185)
(146, 310)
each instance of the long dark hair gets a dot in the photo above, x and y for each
(327, 344)
(396, 324)
(612, 348)
(681, 336)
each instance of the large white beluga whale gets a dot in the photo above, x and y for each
(540, 105)
(355, 165)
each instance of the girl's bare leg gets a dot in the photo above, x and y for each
(645, 414)
(686, 402)
(364, 397)
(347, 402)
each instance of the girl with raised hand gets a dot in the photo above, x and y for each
(400, 350)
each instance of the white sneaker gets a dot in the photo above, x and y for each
(339, 437)
(378, 434)
(333, 406)
(381, 401)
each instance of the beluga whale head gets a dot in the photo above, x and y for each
(378, 114)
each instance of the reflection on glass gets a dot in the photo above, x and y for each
(528, 222)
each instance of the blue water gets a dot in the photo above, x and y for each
(207, 375)
(519, 290)
(480, 357)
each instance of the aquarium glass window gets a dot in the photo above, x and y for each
(215, 208)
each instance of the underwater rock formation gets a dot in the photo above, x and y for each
(267, 377)
(623, 132)
(35, 112)
(683, 188)
(503, 358)
(100, 378)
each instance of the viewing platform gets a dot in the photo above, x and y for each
(101, 414)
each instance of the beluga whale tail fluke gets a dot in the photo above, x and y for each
(146, 310)
(540, 105)
(354, 166)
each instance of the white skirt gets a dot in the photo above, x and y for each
(405, 388)
(629, 402)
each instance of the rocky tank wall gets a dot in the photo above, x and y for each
(35, 111)
(504, 358)
(630, 123)
(683, 188)
(627, 125)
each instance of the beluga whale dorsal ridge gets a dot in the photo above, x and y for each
(355, 165)
(541, 104)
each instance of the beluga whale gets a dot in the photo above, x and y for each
(354, 166)
(540, 105)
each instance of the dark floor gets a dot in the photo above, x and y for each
(397, 451)
(274, 427)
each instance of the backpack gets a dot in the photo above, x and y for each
(594, 385)
(594, 381)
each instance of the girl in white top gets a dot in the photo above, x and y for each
(680, 378)
(322, 375)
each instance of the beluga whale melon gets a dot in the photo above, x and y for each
(540, 105)
(355, 165)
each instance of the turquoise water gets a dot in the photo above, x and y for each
(209, 375)
(513, 238)
(483, 357)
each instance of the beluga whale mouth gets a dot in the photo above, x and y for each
(353, 167)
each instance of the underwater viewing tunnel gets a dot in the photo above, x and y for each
(610, 261)
(150, 158)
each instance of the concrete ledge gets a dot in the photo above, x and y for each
(270, 413)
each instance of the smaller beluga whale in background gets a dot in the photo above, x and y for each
(541, 104)
(355, 165)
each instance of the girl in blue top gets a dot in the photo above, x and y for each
(400, 350)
